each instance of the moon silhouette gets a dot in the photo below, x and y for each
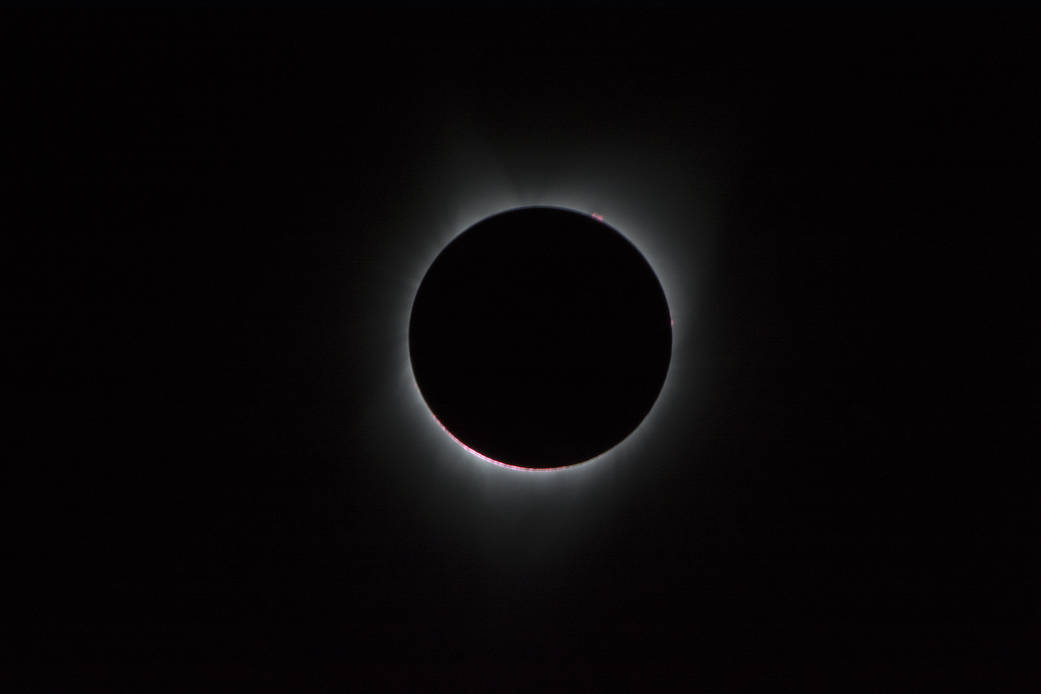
(540, 337)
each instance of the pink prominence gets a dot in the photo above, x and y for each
(493, 460)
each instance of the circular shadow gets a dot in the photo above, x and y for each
(540, 337)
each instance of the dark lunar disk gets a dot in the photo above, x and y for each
(540, 337)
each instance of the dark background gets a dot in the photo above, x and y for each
(194, 205)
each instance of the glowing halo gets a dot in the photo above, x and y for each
(658, 214)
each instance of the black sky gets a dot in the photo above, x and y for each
(206, 215)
